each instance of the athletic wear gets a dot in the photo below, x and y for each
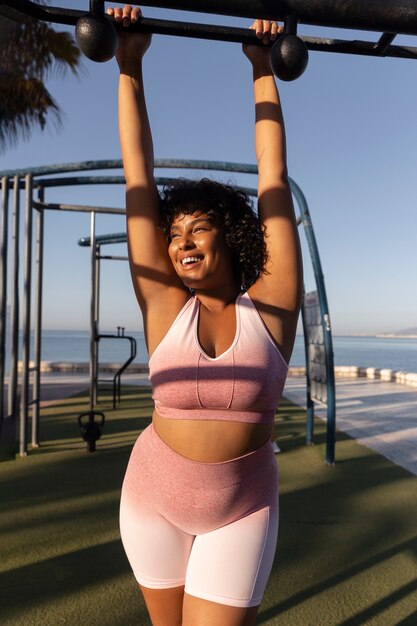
(210, 526)
(244, 384)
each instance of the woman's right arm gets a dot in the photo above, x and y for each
(155, 281)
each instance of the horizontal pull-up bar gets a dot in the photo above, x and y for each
(396, 16)
(97, 37)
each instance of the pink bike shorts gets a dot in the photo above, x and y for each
(209, 526)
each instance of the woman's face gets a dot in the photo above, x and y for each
(199, 252)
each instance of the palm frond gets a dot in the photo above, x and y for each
(24, 103)
(31, 52)
(64, 51)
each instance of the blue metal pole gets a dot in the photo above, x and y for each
(24, 413)
(3, 288)
(14, 306)
(38, 323)
(324, 310)
(96, 295)
(93, 330)
(310, 402)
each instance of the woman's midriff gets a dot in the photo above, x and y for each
(211, 441)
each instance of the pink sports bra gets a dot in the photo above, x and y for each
(244, 384)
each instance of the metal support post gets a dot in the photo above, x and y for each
(24, 410)
(14, 305)
(3, 287)
(324, 311)
(310, 402)
(93, 330)
(38, 322)
(96, 318)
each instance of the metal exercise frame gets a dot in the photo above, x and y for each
(388, 17)
(101, 240)
(41, 178)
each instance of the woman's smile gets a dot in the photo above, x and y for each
(198, 248)
(190, 262)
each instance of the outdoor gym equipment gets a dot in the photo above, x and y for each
(91, 430)
(34, 183)
(97, 37)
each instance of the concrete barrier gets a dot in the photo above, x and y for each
(73, 367)
(373, 373)
(341, 371)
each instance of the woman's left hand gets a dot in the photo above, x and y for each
(267, 31)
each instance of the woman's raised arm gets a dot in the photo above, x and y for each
(278, 291)
(152, 272)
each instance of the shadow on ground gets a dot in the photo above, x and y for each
(347, 546)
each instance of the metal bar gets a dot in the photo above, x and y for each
(44, 13)
(97, 6)
(245, 35)
(384, 43)
(79, 208)
(115, 258)
(324, 310)
(113, 180)
(106, 180)
(4, 232)
(193, 30)
(195, 164)
(358, 47)
(225, 166)
(97, 285)
(93, 373)
(96, 296)
(14, 305)
(376, 15)
(104, 239)
(310, 402)
(70, 181)
(117, 377)
(24, 410)
(145, 25)
(102, 164)
(38, 323)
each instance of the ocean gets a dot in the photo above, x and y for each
(381, 352)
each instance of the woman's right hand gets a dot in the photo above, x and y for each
(132, 46)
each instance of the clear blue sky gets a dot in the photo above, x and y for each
(351, 134)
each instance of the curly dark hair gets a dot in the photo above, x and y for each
(229, 208)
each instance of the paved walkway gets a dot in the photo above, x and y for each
(380, 415)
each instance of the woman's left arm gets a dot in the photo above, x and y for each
(277, 293)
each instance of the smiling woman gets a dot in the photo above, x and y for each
(198, 250)
(229, 210)
(219, 288)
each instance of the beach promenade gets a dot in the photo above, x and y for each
(380, 415)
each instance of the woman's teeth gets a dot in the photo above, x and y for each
(189, 259)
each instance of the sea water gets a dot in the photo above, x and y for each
(380, 352)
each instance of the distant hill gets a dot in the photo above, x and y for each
(406, 332)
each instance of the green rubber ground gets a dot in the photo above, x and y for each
(347, 552)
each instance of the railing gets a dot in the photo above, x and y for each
(116, 380)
